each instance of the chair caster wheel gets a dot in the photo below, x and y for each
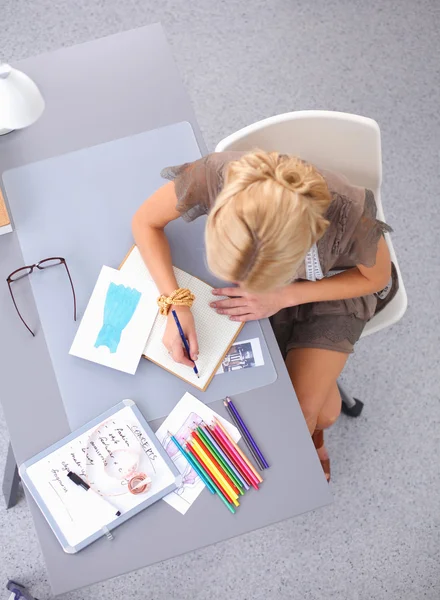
(353, 411)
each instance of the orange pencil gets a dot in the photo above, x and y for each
(197, 436)
(237, 447)
(214, 471)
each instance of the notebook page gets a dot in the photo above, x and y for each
(214, 332)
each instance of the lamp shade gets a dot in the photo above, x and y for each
(21, 102)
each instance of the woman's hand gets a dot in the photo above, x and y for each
(246, 306)
(172, 340)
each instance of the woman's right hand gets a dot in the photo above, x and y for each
(172, 340)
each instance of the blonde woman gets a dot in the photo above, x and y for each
(277, 228)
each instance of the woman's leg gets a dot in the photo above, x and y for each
(331, 410)
(314, 372)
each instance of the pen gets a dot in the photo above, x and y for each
(78, 481)
(184, 340)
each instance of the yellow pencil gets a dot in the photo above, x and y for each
(213, 469)
(237, 447)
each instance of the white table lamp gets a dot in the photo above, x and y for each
(21, 102)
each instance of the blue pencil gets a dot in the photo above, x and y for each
(184, 340)
(193, 464)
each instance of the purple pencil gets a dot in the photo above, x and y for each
(252, 445)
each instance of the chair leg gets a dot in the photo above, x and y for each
(18, 591)
(350, 406)
(11, 479)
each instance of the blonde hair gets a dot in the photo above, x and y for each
(267, 216)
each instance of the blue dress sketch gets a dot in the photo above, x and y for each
(120, 305)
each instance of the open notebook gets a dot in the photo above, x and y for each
(215, 332)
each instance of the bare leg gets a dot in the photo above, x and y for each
(314, 373)
(331, 410)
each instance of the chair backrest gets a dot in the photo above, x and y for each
(345, 143)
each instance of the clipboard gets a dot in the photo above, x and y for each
(40, 492)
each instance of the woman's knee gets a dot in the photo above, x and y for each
(326, 418)
(330, 412)
(311, 405)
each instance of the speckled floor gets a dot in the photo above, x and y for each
(241, 62)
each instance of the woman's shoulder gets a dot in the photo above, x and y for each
(198, 183)
(353, 232)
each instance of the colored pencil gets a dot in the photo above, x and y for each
(223, 464)
(225, 456)
(212, 455)
(216, 472)
(214, 459)
(213, 477)
(244, 472)
(218, 491)
(196, 452)
(194, 443)
(235, 457)
(243, 456)
(245, 438)
(192, 463)
(247, 433)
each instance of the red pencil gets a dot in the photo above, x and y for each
(239, 450)
(211, 474)
(214, 431)
(201, 441)
(235, 456)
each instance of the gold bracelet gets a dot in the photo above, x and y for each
(180, 297)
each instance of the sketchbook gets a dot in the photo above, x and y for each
(216, 333)
(118, 456)
(117, 321)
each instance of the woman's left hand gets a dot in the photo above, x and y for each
(246, 306)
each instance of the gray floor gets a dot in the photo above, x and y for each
(242, 62)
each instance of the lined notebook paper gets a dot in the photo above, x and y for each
(215, 332)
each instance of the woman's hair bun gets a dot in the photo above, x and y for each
(270, 211)
(293, 176)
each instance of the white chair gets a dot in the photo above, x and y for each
(341, 142)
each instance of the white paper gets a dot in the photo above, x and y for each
(214, 332)
(102, 323)
(245, 354)
(187, 412)
(96, 456)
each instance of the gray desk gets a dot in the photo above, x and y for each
(96, 92)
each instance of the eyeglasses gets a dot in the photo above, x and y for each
(25, 271)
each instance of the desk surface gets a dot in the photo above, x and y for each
(111, 88)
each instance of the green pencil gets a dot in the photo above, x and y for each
(214, 485)
(220, 459)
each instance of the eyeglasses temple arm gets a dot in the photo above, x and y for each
(18, 312)
(73, 290)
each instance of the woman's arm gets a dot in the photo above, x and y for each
(359, 281)
(148, 230)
